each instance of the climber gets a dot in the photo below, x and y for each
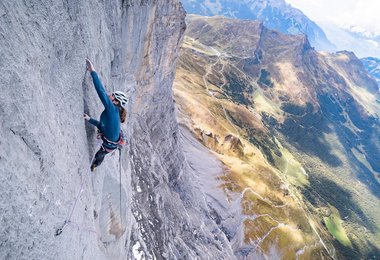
(109, 126)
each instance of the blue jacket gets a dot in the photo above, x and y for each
(109, 123)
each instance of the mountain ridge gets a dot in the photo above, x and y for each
(276, 15)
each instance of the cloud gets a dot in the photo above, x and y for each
(215, 8)
(344, 13)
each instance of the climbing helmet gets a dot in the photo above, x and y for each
(121, 97)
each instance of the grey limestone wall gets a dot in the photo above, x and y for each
(148, 211)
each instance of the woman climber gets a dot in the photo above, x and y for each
(109, 126)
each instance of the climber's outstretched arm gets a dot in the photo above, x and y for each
(91, 120)
(94, 122)
(99, 86)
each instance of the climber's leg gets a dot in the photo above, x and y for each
(99, 157)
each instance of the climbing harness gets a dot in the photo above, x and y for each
(119, 144)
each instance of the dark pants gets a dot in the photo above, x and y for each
(99, 156)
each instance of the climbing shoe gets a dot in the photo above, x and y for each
(93, 167)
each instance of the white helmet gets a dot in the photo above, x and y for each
(121, 97)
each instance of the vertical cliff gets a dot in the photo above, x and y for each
(149, 210)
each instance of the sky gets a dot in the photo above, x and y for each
(362, 14)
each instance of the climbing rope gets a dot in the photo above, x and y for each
(68, 219)
(70, 213)
(121, 218)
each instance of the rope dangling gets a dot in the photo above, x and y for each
(121, 218)
(70, 213)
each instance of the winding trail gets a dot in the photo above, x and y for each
(306, 212)
(209, 69)
(238, 216)
(262, 198)
(238, 240)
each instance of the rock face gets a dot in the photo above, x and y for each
(142, 205)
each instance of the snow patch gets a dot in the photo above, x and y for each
(138, 253)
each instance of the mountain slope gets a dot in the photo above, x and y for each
(275, 14)
(294, 127)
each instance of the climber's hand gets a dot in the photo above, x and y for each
(89, 65)
(86, 117)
